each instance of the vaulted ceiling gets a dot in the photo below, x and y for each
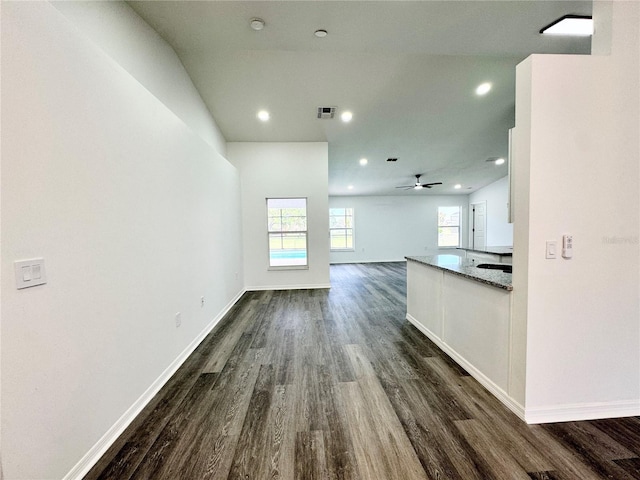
(406, 70)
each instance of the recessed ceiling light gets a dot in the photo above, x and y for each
(575, 25)
(257, 24)
(320, 33)
(483, 88)
(499, 161)
(457, 186)
(350, 187)
(363, 161)
(346, 116)
(263, 115)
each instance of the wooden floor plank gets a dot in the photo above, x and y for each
(310, 456)
(500, 430)
(502, 464)
(335, 384)
(625, 431)
(369, 455)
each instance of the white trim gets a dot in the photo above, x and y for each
(352, 228)
(583, 411)
(472, 225)
(355, 262)
(289, 287)
(99, 449)
(494, 389)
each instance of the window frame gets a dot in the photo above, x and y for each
(352, 229)
(459, 226)
(282, 233)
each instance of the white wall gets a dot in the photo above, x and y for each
(136, 218)
(499, 232)
(140, 50)
(578, 119)
(280, 170)
(388, 228)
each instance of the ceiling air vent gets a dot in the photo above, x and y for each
(392, 159)
(326, 112)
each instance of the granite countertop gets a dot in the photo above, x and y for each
(465, 268)
(504, 251)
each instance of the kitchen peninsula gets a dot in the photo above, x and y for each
(466, 311)
(489, 254)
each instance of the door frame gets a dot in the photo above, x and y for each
(472, 224)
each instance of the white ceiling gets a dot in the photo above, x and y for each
(407, 71)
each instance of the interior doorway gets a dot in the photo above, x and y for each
(478, 225)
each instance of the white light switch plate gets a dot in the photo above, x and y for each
(30, 273)
(552, 249)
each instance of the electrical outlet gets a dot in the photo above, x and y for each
(178, 319)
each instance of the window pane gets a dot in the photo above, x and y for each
(275, 224)
(337, 222)
(348, 222)
(287, 226)
(341, 228)
(341, 239)
(448, 216)
(448, 236)
(286, 249)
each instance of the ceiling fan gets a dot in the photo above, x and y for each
(418, 185)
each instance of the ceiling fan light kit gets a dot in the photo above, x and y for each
(419, 185)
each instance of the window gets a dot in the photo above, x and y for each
(287, 230)
(448, 226)
(341, 228)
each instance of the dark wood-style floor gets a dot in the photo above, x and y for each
(335, 384)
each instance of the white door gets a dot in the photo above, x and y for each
(479, 225)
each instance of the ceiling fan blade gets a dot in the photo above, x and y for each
(428, 185)
(405, 186)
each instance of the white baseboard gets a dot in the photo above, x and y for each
(99, 449)
(355, 262)
(582, 411)
(485, 381)
(550, 414)
(312, 286)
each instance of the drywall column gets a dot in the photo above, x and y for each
(577, 128)
(282, 170)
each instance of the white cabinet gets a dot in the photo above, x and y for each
(469, 320)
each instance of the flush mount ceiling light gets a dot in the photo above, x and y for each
(499, 161)
(363, 161)
(350, 187)
(346, 116)
(320, 33)
(573, 25)
(263, 115)
(457, 186)
(483, 88)
(257, 24)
